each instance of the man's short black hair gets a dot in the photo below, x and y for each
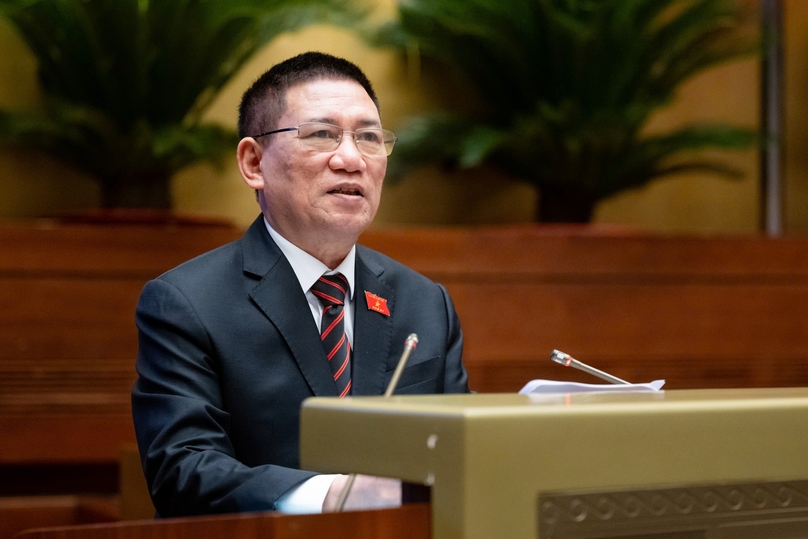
(264, 102)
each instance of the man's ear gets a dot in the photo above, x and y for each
(249, 153)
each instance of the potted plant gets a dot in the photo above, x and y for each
(126, 82)
(561, 90)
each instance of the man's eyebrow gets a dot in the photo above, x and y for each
(370, 123)
(322, 120)
(333, 121)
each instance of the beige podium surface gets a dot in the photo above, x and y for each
(498, 464)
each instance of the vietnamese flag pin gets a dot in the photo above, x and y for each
(377, 303)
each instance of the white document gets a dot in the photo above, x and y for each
(554, 386)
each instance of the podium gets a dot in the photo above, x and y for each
(409, 522)
(698, 464)
(701, 463)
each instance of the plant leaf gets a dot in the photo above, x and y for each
(564, 88)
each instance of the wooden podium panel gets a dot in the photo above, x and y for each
(22, 513)
(407, 522)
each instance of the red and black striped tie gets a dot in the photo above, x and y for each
(331, 290)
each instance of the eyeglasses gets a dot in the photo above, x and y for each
(322, 137)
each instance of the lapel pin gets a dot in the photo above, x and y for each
(377, 303)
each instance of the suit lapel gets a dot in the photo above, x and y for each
(279, 296)
(373, 332)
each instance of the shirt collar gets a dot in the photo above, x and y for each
(307, 268)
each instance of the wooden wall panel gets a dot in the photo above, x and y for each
(80, 437)
(68, 318)
(67, 332)
(47, 247)
(631, 321)
(699, 312)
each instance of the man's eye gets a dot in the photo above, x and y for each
(323, 133)
(369, 136)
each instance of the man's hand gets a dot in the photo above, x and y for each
(368, 492)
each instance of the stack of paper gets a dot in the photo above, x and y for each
(554, 386)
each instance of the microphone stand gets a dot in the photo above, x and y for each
(409, 346)
(568, 361)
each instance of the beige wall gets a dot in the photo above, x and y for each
(700, 202)
(795, 164)
(32, 186)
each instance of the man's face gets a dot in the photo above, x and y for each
(313, 198)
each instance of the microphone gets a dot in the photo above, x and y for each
(409, 345)
(568, 361)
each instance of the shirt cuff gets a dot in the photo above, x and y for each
(307, 497)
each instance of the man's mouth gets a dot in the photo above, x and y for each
(351, 192)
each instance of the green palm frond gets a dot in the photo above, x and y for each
(89, 140)
(650, 157)
(127, 82)
(74, 133)
(564, 87)
(451, 141)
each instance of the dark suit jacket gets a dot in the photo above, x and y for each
(229, 350)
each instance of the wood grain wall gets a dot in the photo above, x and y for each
(699, 312)
(67, 333)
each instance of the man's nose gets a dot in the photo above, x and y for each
(350, 136)
(347, 154)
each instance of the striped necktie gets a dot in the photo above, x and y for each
(331, 291)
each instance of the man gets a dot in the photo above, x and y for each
(234, 340)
